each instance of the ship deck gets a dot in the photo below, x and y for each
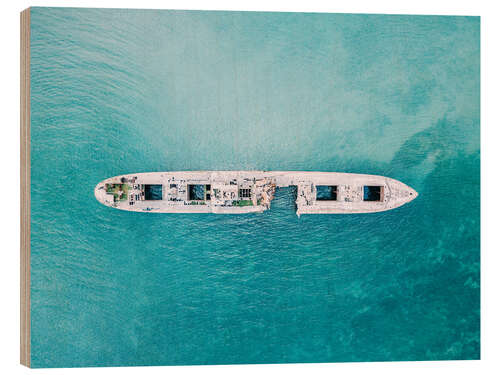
(237, 192)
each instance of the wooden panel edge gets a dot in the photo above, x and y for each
(25, 180)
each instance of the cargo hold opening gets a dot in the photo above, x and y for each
(153, 192)
(326, 193)
(196, 192)
(373, 193)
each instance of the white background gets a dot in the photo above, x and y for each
(490, 182)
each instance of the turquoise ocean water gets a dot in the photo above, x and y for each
(122, 91)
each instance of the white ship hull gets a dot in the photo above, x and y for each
(236, 192)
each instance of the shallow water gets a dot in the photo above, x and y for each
(120, 91)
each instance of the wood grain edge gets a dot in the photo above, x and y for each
(25, 147)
